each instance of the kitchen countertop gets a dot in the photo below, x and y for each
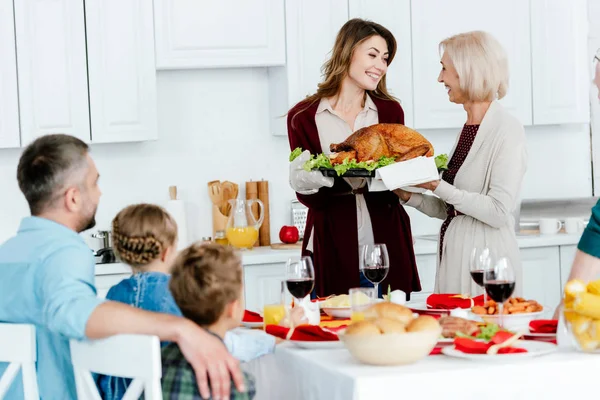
(424, 245)
(256, 256)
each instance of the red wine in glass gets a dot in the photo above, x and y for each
(375, 274)
(477, 276)
(300, 288)
(499, 291)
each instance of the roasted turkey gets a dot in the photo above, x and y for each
(375, 141)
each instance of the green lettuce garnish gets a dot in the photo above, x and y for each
(295, 154)
(441, 162)
(486, 332)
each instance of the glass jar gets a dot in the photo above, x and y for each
(581, 314)
(220, 238)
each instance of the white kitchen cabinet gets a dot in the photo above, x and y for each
(435, 20)
(262, 285)
(395, 16)
(311, 28)
(224, 33)
(541, 275)
(52, 71)
(121, 67)
(560, 64)
(9, 98)
(105, 282)
(427, 266)
(567, 255)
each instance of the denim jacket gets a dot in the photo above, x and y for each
(150, 291)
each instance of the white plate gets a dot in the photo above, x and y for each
(512, 322)
(328, 344)
(423, 307)
(338, 312)
(534, 349)
(252, 324)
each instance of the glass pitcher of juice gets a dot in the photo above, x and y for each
(244, 222)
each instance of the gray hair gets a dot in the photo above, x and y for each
(47, 166)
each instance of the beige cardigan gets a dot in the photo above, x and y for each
(486, 189)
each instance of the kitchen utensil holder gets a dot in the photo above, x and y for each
(219, 221)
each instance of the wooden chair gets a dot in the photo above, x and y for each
(18, 349)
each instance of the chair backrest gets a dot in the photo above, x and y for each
(126, 356)
(18, 349)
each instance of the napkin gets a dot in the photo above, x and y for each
(543, 326)
(407, 173)
(452, 301)
(308, 333)
(251, 316)
(471, 346)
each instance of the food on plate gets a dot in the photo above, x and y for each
(423, 323)
(388, 325)
(381, 140)
(343, 300)
(389, 310)
(289, 234)
(453, 325)
(582, 312)
(374, 147)
(514, 305)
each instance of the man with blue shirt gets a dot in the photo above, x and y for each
(47, 277)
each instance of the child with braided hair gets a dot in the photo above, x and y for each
(145, 237)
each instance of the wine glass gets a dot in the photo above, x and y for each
(499, 283)
(375, 264)
(482, 259)
(300, 277)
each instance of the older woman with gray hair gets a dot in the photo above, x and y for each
(478, 193)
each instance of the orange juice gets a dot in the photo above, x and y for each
(273, 314)
(243, 237)
(357, 316)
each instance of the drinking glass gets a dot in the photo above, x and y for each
(482, 259)
(360, 299)
(499, 283)
(300, 277)
(375, 263)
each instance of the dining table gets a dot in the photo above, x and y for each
(294, 373)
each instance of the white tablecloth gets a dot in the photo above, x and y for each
(292, 373)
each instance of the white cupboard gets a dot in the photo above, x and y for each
(311, 28)
(9, 98)
(122, 76)
(560, 65)
(435, 20)
(567, 255)
(541, 275)
(216, 34)
(262, 285)
(52, 70)
(395, 16)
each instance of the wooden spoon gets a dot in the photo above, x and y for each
(215, 193)
(229, 191)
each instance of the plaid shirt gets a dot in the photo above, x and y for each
(179, 379)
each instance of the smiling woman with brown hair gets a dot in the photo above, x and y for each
(343, 215)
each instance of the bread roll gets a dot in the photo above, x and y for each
(390, 310)
(387, 325)
(363, 328)
(423, 323)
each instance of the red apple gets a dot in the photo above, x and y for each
(289, 234)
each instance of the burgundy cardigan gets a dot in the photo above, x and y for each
(332, 219)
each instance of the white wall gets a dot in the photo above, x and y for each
(213, 124)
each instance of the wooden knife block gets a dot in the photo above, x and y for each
(219, 221)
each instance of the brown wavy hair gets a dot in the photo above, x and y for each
(206, 277)
(141, 232)
(351, 35)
